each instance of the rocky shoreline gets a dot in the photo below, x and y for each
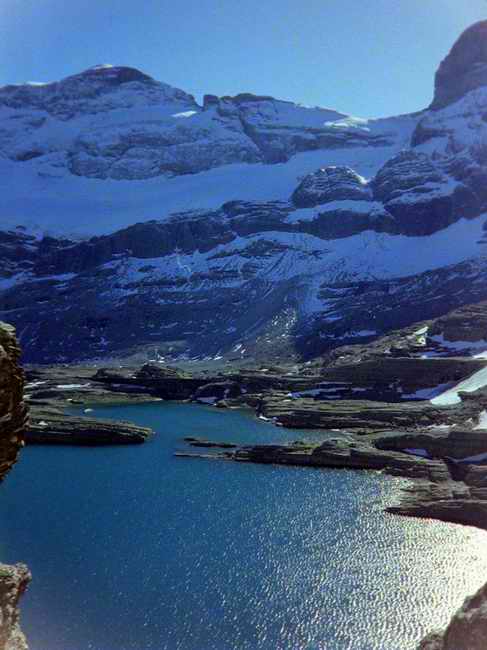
(61, 389)
(428, 444)
(370, 408)
(438, 488)
(466, 631)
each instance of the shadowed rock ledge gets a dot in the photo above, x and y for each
(13, 417)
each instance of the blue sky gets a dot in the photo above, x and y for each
(365, 58)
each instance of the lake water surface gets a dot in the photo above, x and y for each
(133, 549)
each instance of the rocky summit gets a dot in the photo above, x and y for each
(464, 69)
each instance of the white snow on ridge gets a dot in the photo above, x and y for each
(458, 125)
(365, 255)
(282, 113)
(359, 207)
(471, 384)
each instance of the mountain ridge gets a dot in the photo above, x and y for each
(187, 219)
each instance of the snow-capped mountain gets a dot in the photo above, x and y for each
(133, 218)
(112, 146)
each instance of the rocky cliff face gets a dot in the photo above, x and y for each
(13, 411)
(13, 583)
(13, 414)
(465, 67)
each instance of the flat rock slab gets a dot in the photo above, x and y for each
(57, 429)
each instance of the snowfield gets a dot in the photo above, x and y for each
(73, 205)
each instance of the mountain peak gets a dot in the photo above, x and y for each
(465, 67)
(113, 74)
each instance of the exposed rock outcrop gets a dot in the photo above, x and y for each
(13, 416)
(455, 444)
(13, 411)
(52, 427)
(420, 195)
(331, 184)
(467, 325)
(13, 583)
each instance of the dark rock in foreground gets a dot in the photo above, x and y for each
(440, 489)
(466, 631)
(13, 415)
(13, 411)
(465, 67)
(13, 583)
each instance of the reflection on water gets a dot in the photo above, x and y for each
(132, 549)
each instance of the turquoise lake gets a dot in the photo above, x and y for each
(133, 549)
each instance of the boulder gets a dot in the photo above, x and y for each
(420, 195)
(331, 184)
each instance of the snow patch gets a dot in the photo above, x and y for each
(477, 381)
